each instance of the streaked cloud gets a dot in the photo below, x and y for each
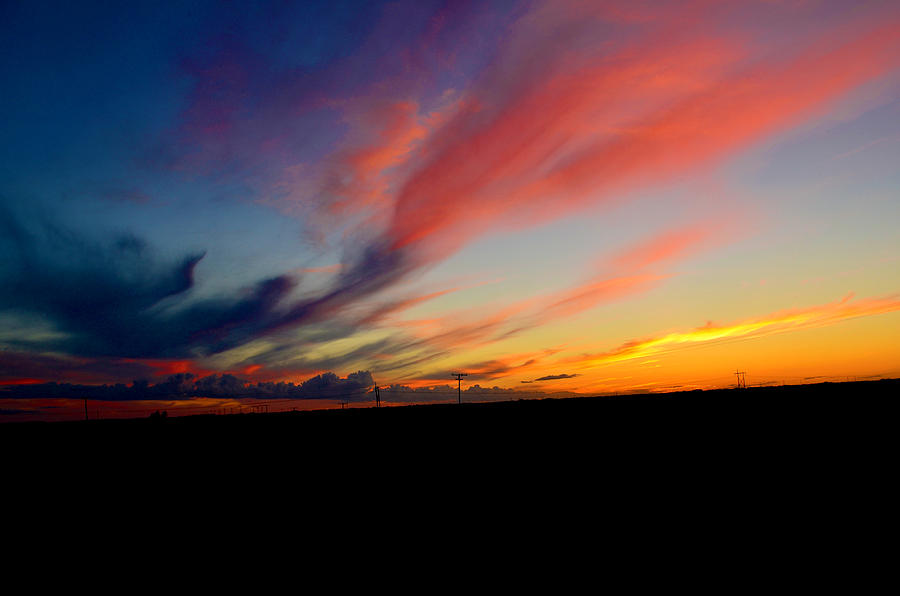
(555, 377)
(778, 322)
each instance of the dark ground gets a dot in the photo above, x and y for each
(740, 483)
(824, 410)
(794, 450)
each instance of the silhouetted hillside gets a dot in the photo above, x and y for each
(825, 409)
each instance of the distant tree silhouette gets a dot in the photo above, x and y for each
(158, 416)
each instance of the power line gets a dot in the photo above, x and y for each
(741, 379)
(459, 377)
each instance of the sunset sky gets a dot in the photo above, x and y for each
(561, 196)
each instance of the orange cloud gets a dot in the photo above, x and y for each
(449, 333)
(502, 367)
(668, 245)
(779, 322)
(454, 331)
(495, 368)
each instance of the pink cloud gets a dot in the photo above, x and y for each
(568, 112)
(573, 136)
(672, 244)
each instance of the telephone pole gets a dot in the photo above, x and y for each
(459, 377)
(377, 395)
(741, 379)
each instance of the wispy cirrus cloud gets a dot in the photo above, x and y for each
(774, 323)
(562, 119)
(632, 271)
(564, 113)
(669, 245)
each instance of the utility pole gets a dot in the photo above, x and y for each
(85, 409)
(741, 379)
(459, 377)
(377, 394)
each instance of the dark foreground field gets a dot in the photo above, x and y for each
(826, 410)
(709, 448)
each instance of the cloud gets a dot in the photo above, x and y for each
(330, 385)
(630, 278)
(555, 377)
(324, 269)
(669, 245)
(116, 298)
(553, 135)
(505, 366)
(588, 295)
(185, 386)
(19, 367)
(563, 118)
(429, 340)
(396, 306)
(778, 322)
(557, 118)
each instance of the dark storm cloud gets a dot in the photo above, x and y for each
(117, 298)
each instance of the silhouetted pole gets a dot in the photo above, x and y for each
(741, 379)
(377, 395)
(85, 409)
(459, 377)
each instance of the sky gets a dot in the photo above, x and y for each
(557, 197)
